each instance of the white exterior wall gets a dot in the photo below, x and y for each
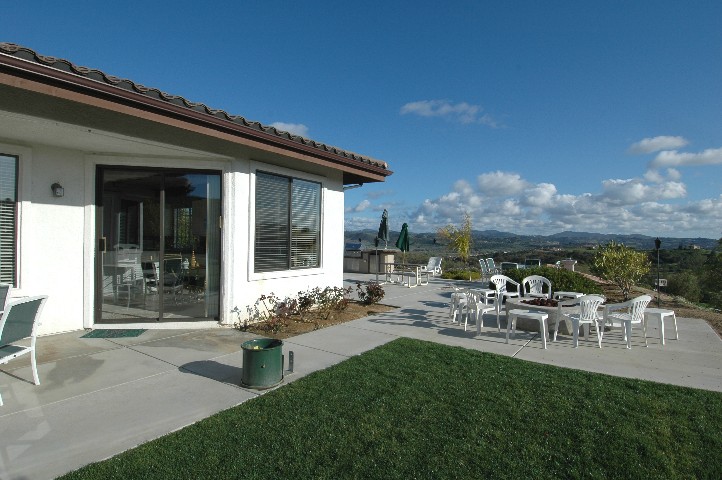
(243, 286)
(50, 230)
(57, 237)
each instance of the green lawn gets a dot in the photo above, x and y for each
(413, 409)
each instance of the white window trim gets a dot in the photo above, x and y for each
(288, 172)
(24, 178)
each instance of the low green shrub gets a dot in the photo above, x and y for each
(562, 280)
(370, 293)
(461, 275)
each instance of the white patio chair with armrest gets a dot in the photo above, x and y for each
(587, 315)
(433, 268)
(634, 314)
(476, 306)
(533, 286)
(18, 322)
(500, 283)
(458, 303)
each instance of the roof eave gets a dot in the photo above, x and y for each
(355, 170)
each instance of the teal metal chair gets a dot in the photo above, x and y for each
(19, 321)
(4, 295)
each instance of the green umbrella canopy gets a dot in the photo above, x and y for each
(384, 228)
(403, 242)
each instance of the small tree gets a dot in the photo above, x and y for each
(460, 238)
(712, 278)
(621, 265)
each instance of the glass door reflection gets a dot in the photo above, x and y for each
(159, 249)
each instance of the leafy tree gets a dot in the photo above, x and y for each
(621, 265)
(712, 278)
(459, 238)
(685, 284)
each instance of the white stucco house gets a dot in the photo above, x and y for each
(129, 206)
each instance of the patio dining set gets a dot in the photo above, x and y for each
(405, 273)
(535, 302)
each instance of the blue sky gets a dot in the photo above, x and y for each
(533, 117)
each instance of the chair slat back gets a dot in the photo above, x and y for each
(536, 285)
(500, 282)
(19, 320)
(636, 309)
(589, 307)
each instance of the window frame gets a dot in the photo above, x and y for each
(289, 271)
(15, 281)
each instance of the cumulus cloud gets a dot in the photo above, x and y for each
(294, 128)
(499, 183)
(673, 158)
(360, 207)
(459, 112)
(655, 144)
(655, 176)
(507, 201)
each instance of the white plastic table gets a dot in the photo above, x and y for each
(539, 316)
(660, 313)
(567, 295)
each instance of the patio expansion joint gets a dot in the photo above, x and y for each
(70, 399)
(523, 346)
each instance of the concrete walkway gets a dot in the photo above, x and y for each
(99, 397)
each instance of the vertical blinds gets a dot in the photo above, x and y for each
(288, 219)
(8, 216)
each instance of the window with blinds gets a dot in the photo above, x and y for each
(8, 217)
(288, 223)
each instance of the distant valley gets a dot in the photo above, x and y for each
(494, 240)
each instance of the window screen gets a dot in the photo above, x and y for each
(288, 223)
(8, 217)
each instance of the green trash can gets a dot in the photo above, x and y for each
(262, 363)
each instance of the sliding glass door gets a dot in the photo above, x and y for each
(159, 245)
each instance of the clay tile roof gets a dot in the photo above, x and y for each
(24, 53)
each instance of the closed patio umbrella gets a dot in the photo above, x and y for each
(384, 229)
(403, 242)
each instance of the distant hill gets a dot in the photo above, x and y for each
(496, 240)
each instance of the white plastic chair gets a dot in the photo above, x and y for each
(634, 314)
(533, 286)
(500, 282)
(20, 321)
(433, 267)
(587, 315)
(457, 304)
(475, 305)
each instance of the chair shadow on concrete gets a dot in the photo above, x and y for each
(213, 370)
(438, 321)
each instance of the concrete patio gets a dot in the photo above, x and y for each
(99, 397)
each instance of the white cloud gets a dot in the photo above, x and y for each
(294, 128)
(634, 191)
(655, 144)
(460, 112)
(360, 207)
(506, 201)
(499, 183)
(672, 158)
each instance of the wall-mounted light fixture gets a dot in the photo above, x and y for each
(58, 190)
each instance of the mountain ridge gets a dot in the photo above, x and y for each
(500, 239)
